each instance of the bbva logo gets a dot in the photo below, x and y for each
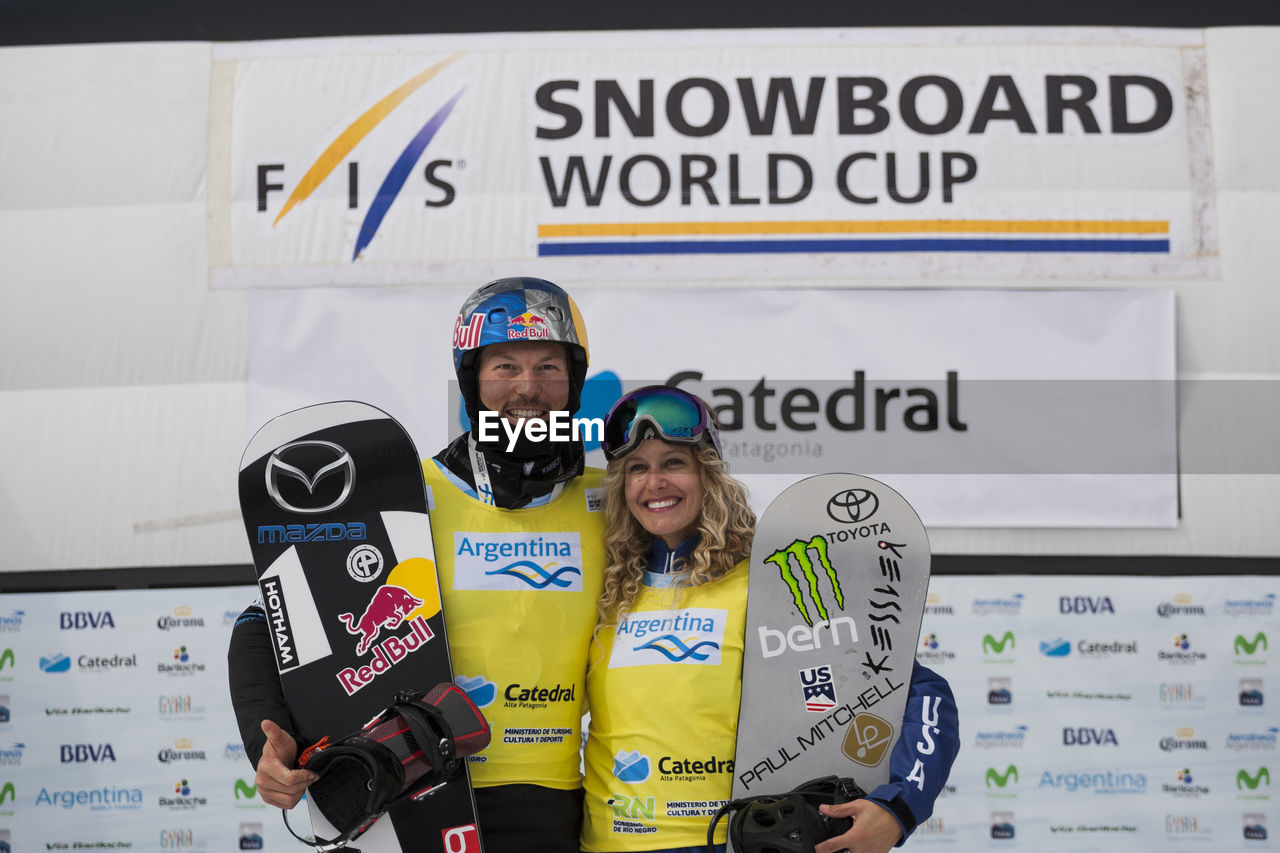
(1086, 737)
(79, 753)
(81, 619)
(1085, 604)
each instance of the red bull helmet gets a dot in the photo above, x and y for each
(518, 309)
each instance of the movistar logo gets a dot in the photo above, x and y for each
(677, 650)
(799, 551)
(991, 645)
(1260, 639)
(6, 658)
(1244, 780)
(1000, 780)
(8, 792)
(245, 791)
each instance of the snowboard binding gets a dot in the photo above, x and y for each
(781, 823)
(409, 751)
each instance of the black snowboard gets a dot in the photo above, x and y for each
(335, 508)
(839, 573)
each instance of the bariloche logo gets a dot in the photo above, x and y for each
(852, 506)
(799, 551)
(1249, 647)
(340, 464)
(400, 170)
(676, 649)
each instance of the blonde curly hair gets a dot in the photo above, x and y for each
(726, 525)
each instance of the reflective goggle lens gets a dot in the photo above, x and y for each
(673, 415)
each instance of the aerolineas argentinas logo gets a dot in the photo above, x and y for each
(693, 635)
(548, 562)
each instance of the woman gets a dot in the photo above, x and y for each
(664, 674)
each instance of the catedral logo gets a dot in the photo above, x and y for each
(271, 179)
(390, 607)
(850, 145)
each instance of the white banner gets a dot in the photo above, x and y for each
(984, 408)
(725, 155)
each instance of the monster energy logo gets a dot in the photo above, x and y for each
(245, 791)
(799, 550)
(991, 644)
(1244, 780)
(1000, 780)
(1259, 640)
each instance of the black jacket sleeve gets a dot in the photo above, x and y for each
(256, 694)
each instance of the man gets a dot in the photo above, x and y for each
(520, 351)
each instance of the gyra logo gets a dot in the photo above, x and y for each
(297, 470)
(803, 555)
(631, 767)
(403, 165)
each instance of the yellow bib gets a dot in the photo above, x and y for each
(664, 685)
(519, 590)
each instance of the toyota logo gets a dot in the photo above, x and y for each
(852, 506)
(325, 458)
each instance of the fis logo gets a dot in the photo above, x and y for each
(803, 554)
(819, 689)
(405, 163)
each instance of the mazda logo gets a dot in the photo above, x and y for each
(852, 506)
(325, 458)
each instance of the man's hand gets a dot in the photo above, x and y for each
(279, 784)
(875, 829)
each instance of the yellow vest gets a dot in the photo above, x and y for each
(519, 589)
(664, 686)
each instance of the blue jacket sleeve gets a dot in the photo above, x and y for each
(927, 747)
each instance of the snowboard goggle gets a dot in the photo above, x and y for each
(660, 411)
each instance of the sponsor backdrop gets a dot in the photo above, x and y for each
(1117, 713)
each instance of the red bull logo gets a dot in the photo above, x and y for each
(386, 654)
(387, 609)
(527, 327)
(468, 336)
